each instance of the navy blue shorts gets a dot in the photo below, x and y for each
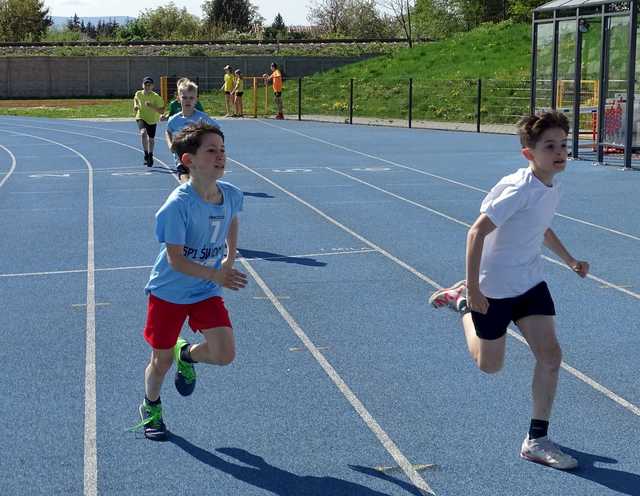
(503, 311)
(151, 128)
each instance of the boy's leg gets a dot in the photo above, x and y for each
(218, 348)
(488, 354)
(159, 365)
(540, 333)
(144, 138)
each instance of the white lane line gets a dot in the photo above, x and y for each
(11, 169)
(579, 375)
(368, 419)
(466, 224)
(442, 178)
(138, 267)
(90, 451)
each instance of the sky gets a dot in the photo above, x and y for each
(294, 12)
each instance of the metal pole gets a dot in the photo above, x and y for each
(577, 88)
(631, 65)
(299, 99)
(410, 101)
(604, 87)
(554, 63)
(534, 72)
(351, 101)
(478, 105)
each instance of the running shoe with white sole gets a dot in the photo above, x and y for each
(543, 450)
(454, 297)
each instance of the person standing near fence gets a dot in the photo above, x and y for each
(238, 91)
(227, 86)
(148, 106)
(276, 81)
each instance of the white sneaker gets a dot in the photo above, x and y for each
(452, 297)
(543, 450)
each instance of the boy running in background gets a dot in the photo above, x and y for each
(195, 223)
(276, 81)
(174, 105)
(188, 96)
(148, 106)
(505, 280)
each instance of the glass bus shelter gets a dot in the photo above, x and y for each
(584, 64)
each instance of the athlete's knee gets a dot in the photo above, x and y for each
(161, 364)
(143, 132)
(226, 357)
(550, 357)
(490, 366)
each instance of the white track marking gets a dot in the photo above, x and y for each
(466, 224)
(11, 169)
(417, 480)
(357, 405)
(575, 372)
(90, 450)
(442, 178)
(139, 267)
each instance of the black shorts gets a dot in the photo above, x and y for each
(503, 311)
(239, 93)
(227, 93)
(277, 94)
(151, 128)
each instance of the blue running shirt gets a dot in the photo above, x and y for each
(186, 219)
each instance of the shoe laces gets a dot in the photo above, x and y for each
(186, 370)
(153, 417)
(550, 448)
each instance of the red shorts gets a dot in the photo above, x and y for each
(165, 319)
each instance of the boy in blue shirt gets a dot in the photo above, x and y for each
(195, 223)
(188, 96)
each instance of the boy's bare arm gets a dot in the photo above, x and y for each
(475, 242)
(552, 242)
(226, 277)
(232, 241)
(169, 139)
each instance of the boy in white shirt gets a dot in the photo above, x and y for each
(505, 280)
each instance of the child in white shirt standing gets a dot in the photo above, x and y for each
(504, 275)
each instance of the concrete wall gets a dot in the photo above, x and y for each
(68, 77)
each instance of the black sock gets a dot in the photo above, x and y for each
(151, 403)
(185, 354)
(538, 428)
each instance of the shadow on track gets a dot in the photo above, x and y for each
(254, 470)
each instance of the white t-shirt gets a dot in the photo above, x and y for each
(522, 207)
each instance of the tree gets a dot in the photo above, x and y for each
(23, 20)
(401, 10)
(73, 23)
(520, 10)
(277, 30)
(168, 22)
(327, 14)
(352, 18)
(230, 14)
(435, 19)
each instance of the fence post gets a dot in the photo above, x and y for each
(351, 101)
(479, 105)
(300, 99)
(410, 101)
